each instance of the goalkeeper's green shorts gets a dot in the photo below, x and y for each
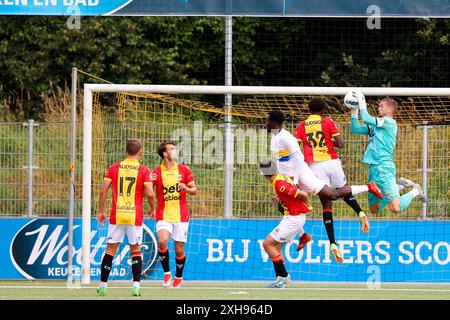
(384, 176)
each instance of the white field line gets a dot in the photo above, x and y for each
(235, 288)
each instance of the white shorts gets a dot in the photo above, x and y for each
(116, 233)
(288, 228)
(330, 172)
(177, 230)
(309, 182)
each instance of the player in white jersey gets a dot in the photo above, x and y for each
(284, 146)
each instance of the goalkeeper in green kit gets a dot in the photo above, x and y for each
(382, 132)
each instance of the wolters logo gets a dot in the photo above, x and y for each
(39, 250)
(40, 246)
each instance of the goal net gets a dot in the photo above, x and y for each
(233, 211)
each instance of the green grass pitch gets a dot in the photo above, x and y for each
(222, 290)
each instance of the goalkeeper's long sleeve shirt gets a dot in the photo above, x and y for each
(382, 132)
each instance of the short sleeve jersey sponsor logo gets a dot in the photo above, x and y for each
(172, 203)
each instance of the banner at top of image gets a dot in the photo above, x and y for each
(304, 8)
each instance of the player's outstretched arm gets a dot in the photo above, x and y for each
(365, 115)
(379, 122)
(367, 118)
(355, 127)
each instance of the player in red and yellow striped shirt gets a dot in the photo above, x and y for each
(320, 136)
(173, 182)
(293, 204)
(130, 181)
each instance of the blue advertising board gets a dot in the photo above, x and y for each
(306, 8)
(227, 249)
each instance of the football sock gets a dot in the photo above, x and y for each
(136, 266)
(328, 222)
(164, 258)
(359, 189)
(351, 201)
(278, 265)
(180, 261)
(406, 199)
(106, 267)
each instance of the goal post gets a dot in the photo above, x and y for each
(88, 104)
(87, 185)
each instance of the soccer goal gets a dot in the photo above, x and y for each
(233, 212)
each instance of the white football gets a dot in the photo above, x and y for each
(350, 100)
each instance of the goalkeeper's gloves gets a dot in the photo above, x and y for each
(361, 100)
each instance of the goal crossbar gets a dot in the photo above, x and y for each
(205, 89)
